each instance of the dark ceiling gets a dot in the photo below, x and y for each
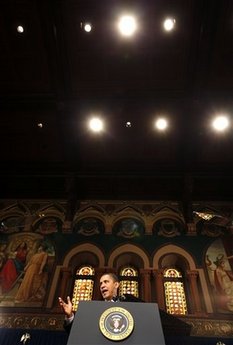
(57, 74)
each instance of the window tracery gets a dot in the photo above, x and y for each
(174, 291)
(83, 285)
(129, 281)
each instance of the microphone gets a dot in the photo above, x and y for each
(122, 298)
(118, 298)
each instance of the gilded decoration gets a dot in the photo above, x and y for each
(116, 323)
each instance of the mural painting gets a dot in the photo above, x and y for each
(220, 276)
(26, 261)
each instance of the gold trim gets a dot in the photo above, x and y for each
(116, 323)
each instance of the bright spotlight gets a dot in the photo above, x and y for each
(220, 123)
(96, 125)
(169, 24)
(161, 124)
(127, 25)
(87, 27)
(20, 29)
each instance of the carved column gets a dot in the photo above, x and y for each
(66, 275)
(158, 276)
(196, 303)
(191, 229)
(146, 284)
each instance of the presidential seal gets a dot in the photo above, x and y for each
(116, 323)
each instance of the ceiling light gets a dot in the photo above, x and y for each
(127, 25)
(87, 27)
(128, 124)
(220, 123)
(40, 125)
(96, 125)
(169, 24)
(20, 29)
(161, 124)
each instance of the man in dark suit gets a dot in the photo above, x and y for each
(109, 284)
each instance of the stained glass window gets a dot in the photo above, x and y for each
(129, 281)
(83, 285)
(174, 292)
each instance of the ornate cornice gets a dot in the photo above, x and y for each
(32, 321)
(200, 327)
(210, 327)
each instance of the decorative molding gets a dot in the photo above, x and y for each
(129, 248)
(171, 248)
(32, 321)
(30, 212)
(85, 248)
(200, 327)
(210, 328)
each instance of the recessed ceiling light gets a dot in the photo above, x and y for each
(96, 124)
(220, 123)
(128, 124)
(161, 124)
(20, 29)
(40, 125)
(127, 25)
(87, 27)
(169, 24)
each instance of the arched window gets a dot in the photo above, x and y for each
(174, 292)
(129, 281)
(83, 285)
